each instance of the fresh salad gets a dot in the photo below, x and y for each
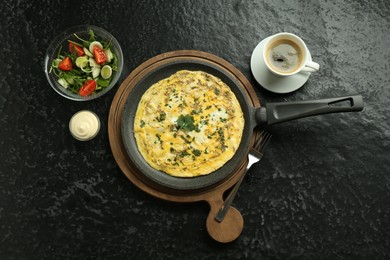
(87, 66)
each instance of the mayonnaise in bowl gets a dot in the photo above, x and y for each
(84, 125)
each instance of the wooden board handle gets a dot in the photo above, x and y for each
(232, 225)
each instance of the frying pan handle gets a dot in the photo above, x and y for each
(274, 113)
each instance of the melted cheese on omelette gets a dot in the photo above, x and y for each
(188, 124)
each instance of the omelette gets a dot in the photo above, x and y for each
(188, 124)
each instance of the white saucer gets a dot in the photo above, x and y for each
(272, 82)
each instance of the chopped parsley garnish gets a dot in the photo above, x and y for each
(186, 122)
(196, 112)
(196, 152)
(158, 136)
(222, 139)
(161, 117)
(185, 139)
(184, 153)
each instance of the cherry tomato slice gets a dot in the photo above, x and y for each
(73, 48)
(87, 88)
(99, 54)
(65, 64)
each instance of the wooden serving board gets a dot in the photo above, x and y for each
(231, 227)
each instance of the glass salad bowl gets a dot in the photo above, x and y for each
(83, 63)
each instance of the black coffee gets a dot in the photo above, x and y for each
(284, 56)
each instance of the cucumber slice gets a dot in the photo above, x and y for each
(87, 52)
(63, 82)
(93, 63)
(95, 72)
(109, 54)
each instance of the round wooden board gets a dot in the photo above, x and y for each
(231, 227)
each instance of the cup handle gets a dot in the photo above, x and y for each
(311, 66)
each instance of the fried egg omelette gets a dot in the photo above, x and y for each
(188, 124)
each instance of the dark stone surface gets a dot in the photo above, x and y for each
(322, 190)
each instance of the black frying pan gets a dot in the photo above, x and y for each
(270, 114)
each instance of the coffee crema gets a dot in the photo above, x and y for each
(284, 56)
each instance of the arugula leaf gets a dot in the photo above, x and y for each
(103, 82)
(91, 35)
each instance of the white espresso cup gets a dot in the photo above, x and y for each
(286, 54)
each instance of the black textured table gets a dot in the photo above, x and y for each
(322, 190)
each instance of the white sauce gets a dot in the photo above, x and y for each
(84, 125)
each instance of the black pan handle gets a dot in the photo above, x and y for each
(274, 113)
